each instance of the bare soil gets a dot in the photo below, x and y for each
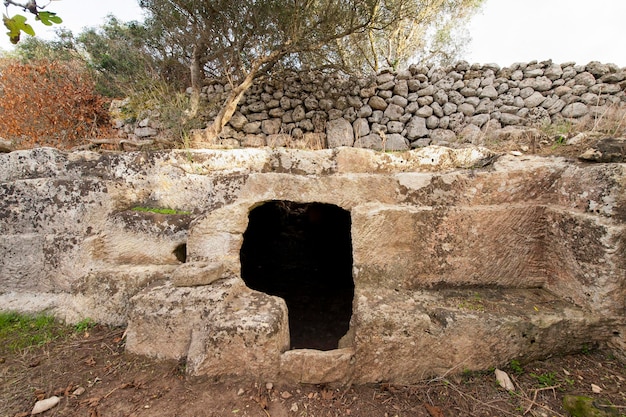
(116, 383)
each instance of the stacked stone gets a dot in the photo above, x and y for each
(420, 106)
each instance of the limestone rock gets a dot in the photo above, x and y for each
(45, 405)
(5, 145)
(317, 367)
(416, 128)
(396, 142)
(575, 110)
(503, 380)
(377, 103)
(606, 150)
(197, 273)
(534, 100)
(339, 132)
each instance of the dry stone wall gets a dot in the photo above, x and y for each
(423, 105)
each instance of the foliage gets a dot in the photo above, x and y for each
(48, 103)
(84, 325)
(63, 48)
(125, 57)
(19, 331)
(240, 41)
(516, 367)
(547, 379)
(424, 31)
(17, 23)
(243, 40)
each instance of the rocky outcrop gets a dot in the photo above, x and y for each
(460, 258)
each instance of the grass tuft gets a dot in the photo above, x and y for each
(23, 331)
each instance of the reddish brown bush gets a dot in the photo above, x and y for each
(47, 103)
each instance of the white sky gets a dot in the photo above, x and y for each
(506, 31)
(76, 15)
(509, 31)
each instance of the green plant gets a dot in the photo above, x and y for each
(158, 210)
(22, 331)
(474, 302)
(547, 379)
(516, 367)
(84, 325)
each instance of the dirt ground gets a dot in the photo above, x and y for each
(94, 377)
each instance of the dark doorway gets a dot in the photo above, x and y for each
(302, 252)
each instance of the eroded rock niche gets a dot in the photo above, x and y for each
(302, 252)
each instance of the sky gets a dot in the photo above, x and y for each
(508, 31)
(503, 32)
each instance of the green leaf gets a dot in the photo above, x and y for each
(48, 18)
(17, 24)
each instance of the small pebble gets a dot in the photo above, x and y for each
(286, 395)
(78, 391)
(269, 386)
(240, 392)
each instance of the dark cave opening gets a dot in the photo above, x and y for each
(302, 252)
(180, 252)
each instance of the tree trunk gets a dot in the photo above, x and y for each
(262, 65)
(196, 82)
(228, 109)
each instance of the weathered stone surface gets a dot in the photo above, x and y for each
(197, 273)
(339, 132)
(452, 250)
(5, 145)
(534, 100)
(416, 128)
(453, 326)
(575, 110)
(606, 150)
(396, 142)
(317, 367)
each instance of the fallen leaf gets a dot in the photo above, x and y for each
(327, 394)
(434, 411)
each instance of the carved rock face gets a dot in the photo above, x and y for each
(452, 258)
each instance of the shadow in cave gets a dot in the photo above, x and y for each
(302, 252)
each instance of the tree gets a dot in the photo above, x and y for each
(17, 23)
(425, 31)
(246, 39)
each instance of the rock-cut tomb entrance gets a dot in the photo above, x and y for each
(302, 252)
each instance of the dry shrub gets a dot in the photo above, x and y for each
(47, 103)
(609, 120)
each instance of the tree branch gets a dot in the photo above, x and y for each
(31, 5)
